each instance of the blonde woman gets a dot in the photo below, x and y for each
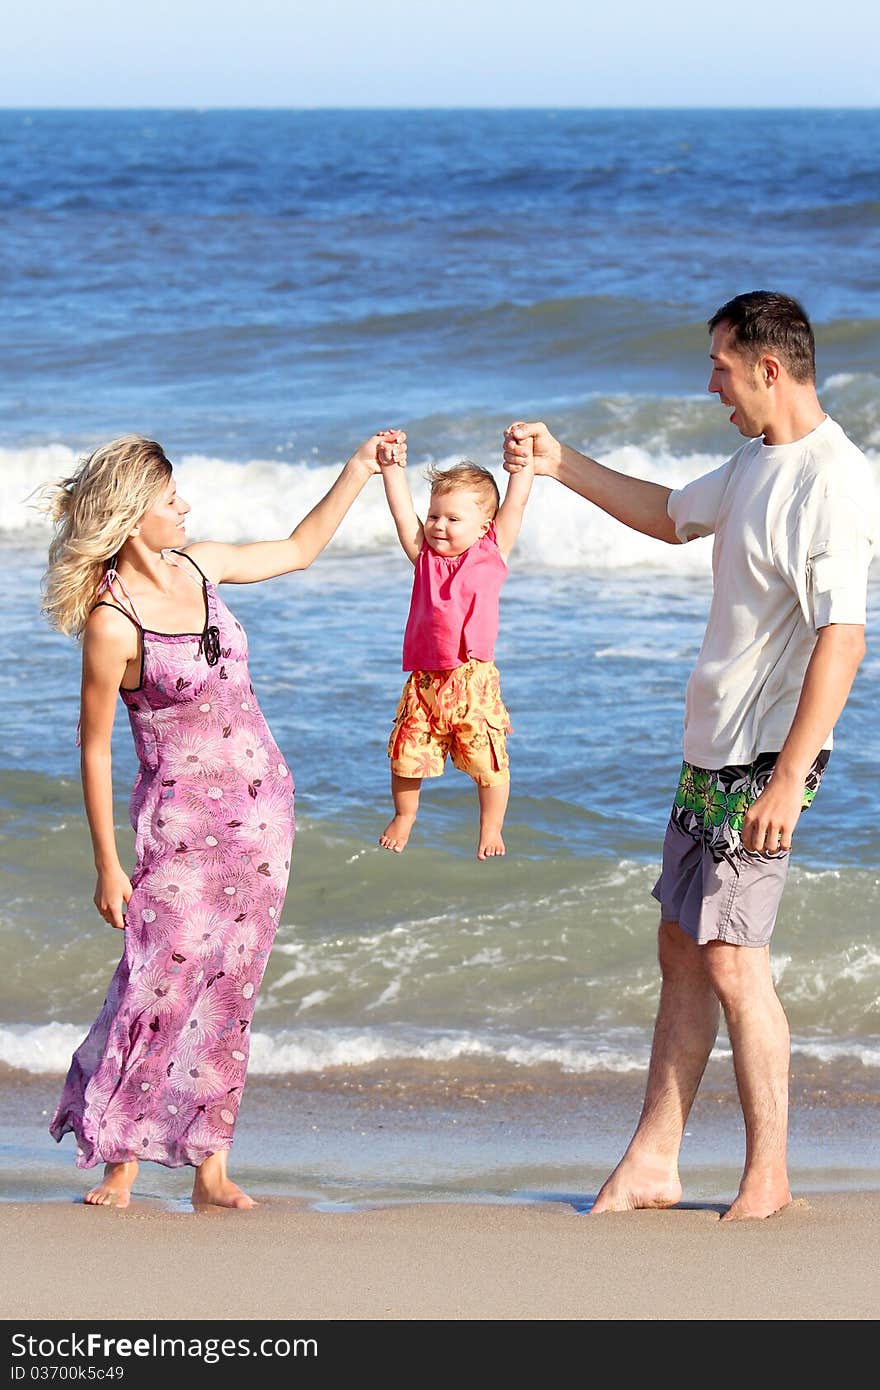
(160, 1075)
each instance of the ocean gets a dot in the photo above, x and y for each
(260, 291)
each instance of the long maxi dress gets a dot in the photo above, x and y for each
(161, 1072)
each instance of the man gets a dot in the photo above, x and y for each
(792, 514)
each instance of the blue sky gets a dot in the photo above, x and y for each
(308, 53)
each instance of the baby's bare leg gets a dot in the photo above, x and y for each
(405, 795)
(493, 804)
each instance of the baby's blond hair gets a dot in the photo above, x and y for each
(469, 477)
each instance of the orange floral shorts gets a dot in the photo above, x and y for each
(459, 713)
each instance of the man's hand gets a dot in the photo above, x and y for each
(769, 823)
(531, 443)
(771, 819)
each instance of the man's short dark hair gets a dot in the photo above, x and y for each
(763, 321)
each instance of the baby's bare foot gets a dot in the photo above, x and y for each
(491, 844)
(115, 1190)
(396, 833)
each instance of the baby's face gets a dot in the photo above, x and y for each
(455, 521)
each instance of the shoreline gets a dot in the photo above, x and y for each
(815, 1260)
(358, 1138)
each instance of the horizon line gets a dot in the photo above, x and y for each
(200, 107)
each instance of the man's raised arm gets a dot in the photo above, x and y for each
(634, 501)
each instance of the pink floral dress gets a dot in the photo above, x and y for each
(160, 1075)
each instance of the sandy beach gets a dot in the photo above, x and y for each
(816, 1260)
(447, 1058)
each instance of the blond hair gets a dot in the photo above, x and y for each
(94, 512)
(470, 477)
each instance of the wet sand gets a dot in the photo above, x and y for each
(816, 1260)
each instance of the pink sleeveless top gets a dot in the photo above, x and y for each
(453, 613)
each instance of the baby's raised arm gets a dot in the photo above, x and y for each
(509, 516)
(409, 529)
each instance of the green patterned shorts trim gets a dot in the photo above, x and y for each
(715, 888)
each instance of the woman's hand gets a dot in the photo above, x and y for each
(392, 448)
(382, 449)
(112, 890)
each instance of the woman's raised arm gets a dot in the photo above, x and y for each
(248, 564)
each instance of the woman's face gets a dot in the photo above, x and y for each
(163, 525)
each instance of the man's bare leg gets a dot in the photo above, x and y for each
(405, 795)
(213, 1186)
(115, 1190)
(684, 1034)
(759, 1038)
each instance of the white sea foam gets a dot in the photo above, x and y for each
(641, 652)
(40, 1049)
(311, 1051)
(262, 497)
(240, 501)
(46, 1049)
(837, 1050)
(24, 472)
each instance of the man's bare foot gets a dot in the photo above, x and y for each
(637, 1189)
(758, 1200)
(396, 833)
(491, 844)
(213, 1187)
(115, 1190)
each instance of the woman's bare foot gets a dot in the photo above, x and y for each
(396, 833)
(213, 1187)
(491, 843)
(224, 1194)
(115, 1190)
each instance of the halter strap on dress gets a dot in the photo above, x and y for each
(209, 639)
(111, 577)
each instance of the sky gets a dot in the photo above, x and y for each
(427, 53)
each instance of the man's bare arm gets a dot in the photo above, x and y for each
(637, 503)
(770, 820)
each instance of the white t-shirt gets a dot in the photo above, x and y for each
(794, 528)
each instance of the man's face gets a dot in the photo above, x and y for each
(739, 383)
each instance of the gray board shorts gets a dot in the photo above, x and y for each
(710, 884)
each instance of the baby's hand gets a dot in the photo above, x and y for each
(391, 448)
(527, 449)
(530, 444)
(382, 448)
(517, 440)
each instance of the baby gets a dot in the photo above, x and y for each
(451, 702)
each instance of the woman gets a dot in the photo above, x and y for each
(160, 1075)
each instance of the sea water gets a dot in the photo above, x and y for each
(260, 291)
